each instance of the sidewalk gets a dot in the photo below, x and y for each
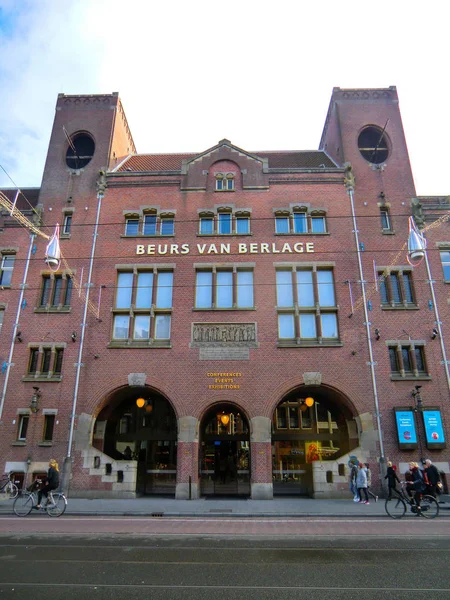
(233, 507)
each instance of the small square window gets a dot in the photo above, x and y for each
(207, 225)
(242, 225)
(132, 227)
(167, 226)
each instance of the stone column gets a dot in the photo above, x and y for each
(188, 485)
(261, 458)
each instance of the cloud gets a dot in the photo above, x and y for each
(192, 73)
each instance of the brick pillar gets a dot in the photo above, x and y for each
(261, 456)
(187, 459)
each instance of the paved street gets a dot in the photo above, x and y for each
(313, 562)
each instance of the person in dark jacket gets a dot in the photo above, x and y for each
(392, 478)
(433, 476)
(417, 485)
(50, 483)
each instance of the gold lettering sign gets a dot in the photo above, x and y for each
(224, 381)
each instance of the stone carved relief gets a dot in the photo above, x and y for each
(312, 378)
(224, 334)
(137, 379)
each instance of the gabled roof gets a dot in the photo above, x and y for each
(301, 159)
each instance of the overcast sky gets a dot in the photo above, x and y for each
(259, 73)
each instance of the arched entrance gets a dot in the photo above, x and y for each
(139, 425)
(224, 452)
(310, 424)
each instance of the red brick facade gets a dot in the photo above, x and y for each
(255, 369)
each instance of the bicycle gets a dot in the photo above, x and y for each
(55, 506)
(396, 505)
(7, 487)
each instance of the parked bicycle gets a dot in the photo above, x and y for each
(55, 506)
(7, 487)
(396, 506)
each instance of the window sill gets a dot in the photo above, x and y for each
(220, 235)
(410, 377)
(387, 232)
(53, 309)
(232, 309)
(309, 344)
(148, 235)
(45, 443)
(306, 233)
(399, 307)
(42, 378)
(140, 345)
(19, 443)
(64, 236)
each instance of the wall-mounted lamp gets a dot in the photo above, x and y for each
(306, 403)
(34, 406)
(74, 336)
(223, 418)
(434, 334)
(19, 336)
(377, 334)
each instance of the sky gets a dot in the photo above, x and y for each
(259, 73)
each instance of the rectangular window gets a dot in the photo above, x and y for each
(407, 360)
(242, 225)
(143, 308)
(207, 225)
(167, 226)
(56, 291)
(224, 223)
(6, 269)
(2, 313)
(67, 225)
(306, 305)
(385, 219)
(49, 424)
(23, 427)
(149, 225)
(132, 227)
(300, 222)
(224, 288)
(396, 289)
(445, 260)
(45, 361)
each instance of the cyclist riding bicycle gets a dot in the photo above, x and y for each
(51, 482)
(417, 484)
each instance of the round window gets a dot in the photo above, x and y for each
(372, 144)
(80, 151)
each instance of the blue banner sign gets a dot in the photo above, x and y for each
(434, 431)
(406, 428)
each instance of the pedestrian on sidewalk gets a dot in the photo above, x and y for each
(352, 480)
(369, 483)
(433, 476)
(392, 478)
(361, 483)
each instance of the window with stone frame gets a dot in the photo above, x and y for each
(23, 420)
(407, 360)
(300, 220)
(386, 223)
(143, 307)
(150, 222)
(396, 288)
(45, 362)
(67, 224)
(2, 314)
(224, 287)
(56, 292)
(6, 267)
(225, 182)
(227, 221)
(306, 305)
(445, 261)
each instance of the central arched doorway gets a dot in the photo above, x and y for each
(139, 425)
(224, 452)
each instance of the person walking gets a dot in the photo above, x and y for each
(369, 483)
(392, 478)
(361, 483)
(352, 480)
(433, 476)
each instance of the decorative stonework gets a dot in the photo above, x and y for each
(137, 379)
(226, 335)
(312, 378)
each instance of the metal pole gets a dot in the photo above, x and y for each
(367, 324)
(16, 325)
(79, 364)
